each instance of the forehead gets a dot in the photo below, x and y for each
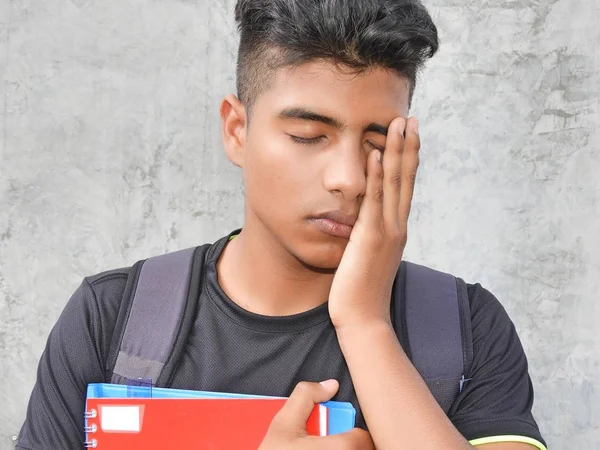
(338, 91)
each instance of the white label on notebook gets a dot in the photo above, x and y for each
(323, 420)
(120, 418)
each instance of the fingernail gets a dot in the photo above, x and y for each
(378, 155)
(328, 384)
(415, 125)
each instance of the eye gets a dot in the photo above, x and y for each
(306, 141)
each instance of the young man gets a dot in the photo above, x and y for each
(302, 294)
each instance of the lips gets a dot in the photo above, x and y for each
(335, 223)
(339, 217)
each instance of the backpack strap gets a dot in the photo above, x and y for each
(432, 317)
(155, 317)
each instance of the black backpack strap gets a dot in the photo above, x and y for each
(431, 315)
(155, 317)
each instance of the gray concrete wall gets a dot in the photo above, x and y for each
(110, 152)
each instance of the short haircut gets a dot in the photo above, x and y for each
(397, 35)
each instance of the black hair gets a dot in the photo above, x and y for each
(359, 34)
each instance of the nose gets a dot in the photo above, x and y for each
(346, 172)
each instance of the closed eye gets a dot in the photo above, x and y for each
(306, 141)
(315, 140)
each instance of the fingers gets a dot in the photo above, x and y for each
(410, 165)
(295, 412)
(392, 172)
(288, 428)
(400, 164)
(355, 439)
(372, 205)
(391, 182)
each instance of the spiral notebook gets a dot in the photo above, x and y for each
(120, 417)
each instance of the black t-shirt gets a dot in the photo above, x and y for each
(233, 350)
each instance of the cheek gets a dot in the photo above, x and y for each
(278, 166)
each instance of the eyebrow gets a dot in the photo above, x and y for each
(306, 114)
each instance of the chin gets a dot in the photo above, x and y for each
(324, 256)
(314, 249)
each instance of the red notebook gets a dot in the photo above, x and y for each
(175, 423)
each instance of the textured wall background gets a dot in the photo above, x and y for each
(110, 152)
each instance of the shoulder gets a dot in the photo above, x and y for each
(109, 278)
(483, 303)
(97, 293)
(495, 341)
(103, 291)
(486, 313)
(494, 333)
(434, 293)
(92, 310)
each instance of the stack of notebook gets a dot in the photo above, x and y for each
(122, 417)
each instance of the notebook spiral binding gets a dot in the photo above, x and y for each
(92, 443)
(91, 429)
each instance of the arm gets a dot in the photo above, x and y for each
(396, 402)
(384, 378)
(73, 357)
(359, 305)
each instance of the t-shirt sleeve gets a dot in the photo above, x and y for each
(73, 357)
(495, 404)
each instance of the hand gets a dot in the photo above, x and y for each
(362, 285)
(288, 428)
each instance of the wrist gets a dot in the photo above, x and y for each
(373, 328)
(366, 312)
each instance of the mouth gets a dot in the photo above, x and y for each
(335, 223)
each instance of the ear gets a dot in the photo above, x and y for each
(233, 129)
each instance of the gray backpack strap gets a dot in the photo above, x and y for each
(433, 316)
(155, 317)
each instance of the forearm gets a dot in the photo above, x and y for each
(394, 399)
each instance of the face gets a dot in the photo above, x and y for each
(304, 153)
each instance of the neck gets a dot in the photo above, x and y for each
(261, 276)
